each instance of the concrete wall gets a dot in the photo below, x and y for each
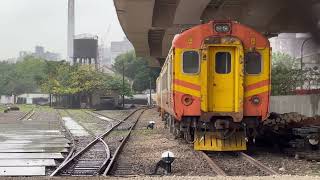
(307, 105)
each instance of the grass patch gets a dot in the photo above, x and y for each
(144, 132)
(25, 107)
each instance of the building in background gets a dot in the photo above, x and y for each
(297, 45)
(120, 47)
(104, 56)
(85, 49)
(33, 98)
(9, 60)
(40, 52)
(301, 47)
(4, 99)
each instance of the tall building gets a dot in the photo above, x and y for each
(104, 55)
(39, 50)
(120, 47)
(23, 54)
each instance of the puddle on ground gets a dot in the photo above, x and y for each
(75, 128)
(104, 118)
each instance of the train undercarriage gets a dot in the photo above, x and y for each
(217, 134)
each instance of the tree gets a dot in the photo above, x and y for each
(22, 77)
(286, 74)
(82, 80)
(136, 70)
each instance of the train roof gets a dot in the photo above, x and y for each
(193, 38)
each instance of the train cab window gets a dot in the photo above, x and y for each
(223, 62)
(190, 63)
(253, 63)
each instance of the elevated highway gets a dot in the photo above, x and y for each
(151, 24)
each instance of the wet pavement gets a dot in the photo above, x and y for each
(28, 146)
(75, 128)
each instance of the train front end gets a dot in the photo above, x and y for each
(220, 75)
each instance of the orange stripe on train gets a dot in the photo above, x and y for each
(198, 88)
(187, 84)
(257, 85)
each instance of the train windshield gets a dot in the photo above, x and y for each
(253, 64)
(191, 62)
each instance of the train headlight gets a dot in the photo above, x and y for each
(255, 100)
(222, 28)
(313, 141)
(187, 100)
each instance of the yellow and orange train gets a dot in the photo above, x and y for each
(214, 86)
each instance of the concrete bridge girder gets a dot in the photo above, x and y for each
(151, 24)
(135, 17)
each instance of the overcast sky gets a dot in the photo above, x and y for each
(26, 23)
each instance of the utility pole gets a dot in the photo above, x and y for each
(123, 84)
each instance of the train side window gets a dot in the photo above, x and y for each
(190, 63)
(223, 62)
(253, 63)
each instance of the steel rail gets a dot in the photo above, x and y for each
(213, 165)
(117, 152)
(64, 164)
(70, 134)
(27, 115)
(257, 164)
(108, 156)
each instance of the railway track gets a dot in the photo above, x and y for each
(97, 156)
(236, 164)
(69, 136)
(27, 115)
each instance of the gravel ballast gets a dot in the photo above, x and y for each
(145, 146)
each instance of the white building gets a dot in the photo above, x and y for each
(7, 99)
(120, 47)
(33, 98)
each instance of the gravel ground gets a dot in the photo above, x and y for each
(10, 116)
(233, 165)
(145, 146)
(288, 165)
(170, 178)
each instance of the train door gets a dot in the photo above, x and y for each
(224, 80)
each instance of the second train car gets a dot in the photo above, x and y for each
(214, 86)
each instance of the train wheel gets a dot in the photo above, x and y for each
(189, 135)
(177, 131)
